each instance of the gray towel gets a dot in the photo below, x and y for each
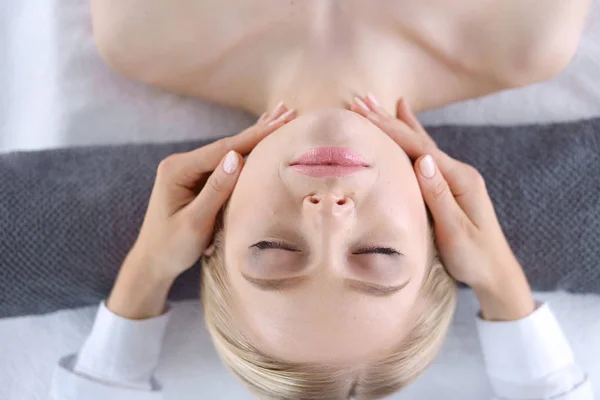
(69, 216)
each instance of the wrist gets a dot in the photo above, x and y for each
(140, 291)
(506, 298)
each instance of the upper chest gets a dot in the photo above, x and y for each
(327, 30)
(235, 52)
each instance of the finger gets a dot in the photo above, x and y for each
(193, 165)
(371, 110)
(360, 107)
(374, 105)
(262, 117)
(405, 114)
(467, 186)
(357, 108)
(277, 112)
(386, 119)
(414, 143)
(219, 186)
(447, 214)
(282, 119)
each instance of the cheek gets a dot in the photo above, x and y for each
(399, 202)
(403, 204)
(257, 191)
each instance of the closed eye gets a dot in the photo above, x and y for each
(388, 251)
(266, 245)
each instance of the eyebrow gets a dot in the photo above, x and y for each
(374, 289)
(371, 289)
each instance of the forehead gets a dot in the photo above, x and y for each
(321, 325)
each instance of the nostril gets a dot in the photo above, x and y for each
(341, 202)
(314, 200)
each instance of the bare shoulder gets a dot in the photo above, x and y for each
(448, 50)
(516, 42)
(126, 31)
(194, 47)
(148, 40)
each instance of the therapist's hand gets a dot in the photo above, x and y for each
(468, 234)
(189, 191)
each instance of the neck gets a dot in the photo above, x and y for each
(311, 90)
(314, 97)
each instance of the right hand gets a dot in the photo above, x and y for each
(468, 234)
(189, 191)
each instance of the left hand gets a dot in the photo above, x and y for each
(467, 232)
(405, 129)
(189, 191)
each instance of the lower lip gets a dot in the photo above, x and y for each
(329, 161)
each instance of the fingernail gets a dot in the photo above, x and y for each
(361, 104)
(427, 167)
(282, 118)
(277, 108)
(231, 162)
(373, 99)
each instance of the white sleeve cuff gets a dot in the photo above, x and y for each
(529, 358)
(122, 352)
(68, 385)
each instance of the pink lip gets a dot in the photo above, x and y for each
(329, 161)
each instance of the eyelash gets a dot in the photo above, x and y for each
(266, 244)
(388, 251)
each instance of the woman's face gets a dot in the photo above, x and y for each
(326, 269)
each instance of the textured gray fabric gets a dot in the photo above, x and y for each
(69, 216)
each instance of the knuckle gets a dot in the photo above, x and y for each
(216, 184)
(427, 144)
(225, 144)
(474, 177)
(168, 165)
(467, 179)
(394, 123)
(440, 189)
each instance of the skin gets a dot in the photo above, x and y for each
(317, 56)
(325, 317)
(178, 226)
(178, 229)
(467, 231)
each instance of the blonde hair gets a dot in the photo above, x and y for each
(270, 378)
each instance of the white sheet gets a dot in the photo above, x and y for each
(190, 369)
(56, 92)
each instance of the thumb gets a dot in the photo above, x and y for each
(447, 214)
(217, 189)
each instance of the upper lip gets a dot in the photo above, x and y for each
(334, 156)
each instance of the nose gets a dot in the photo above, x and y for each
(327, 204)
